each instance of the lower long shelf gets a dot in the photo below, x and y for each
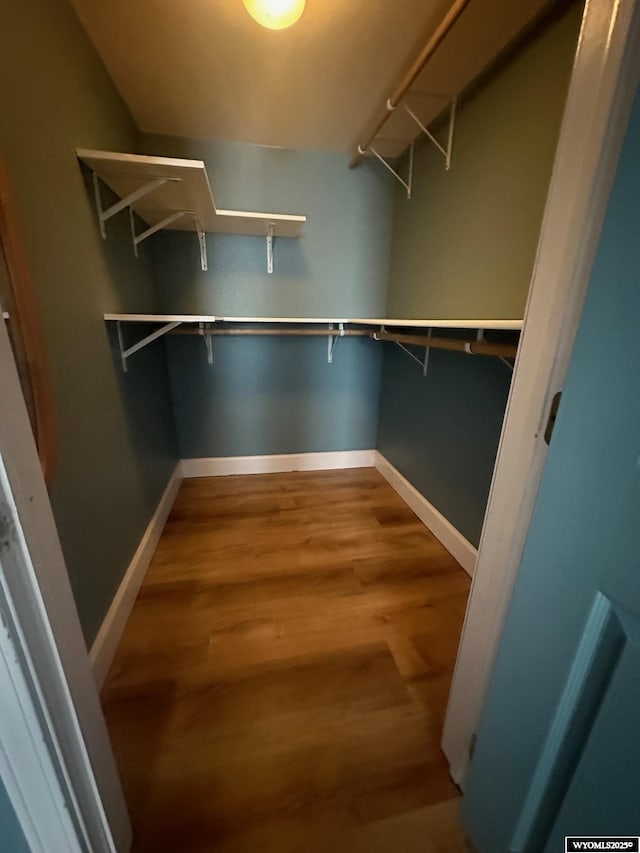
(209, 326)
(487, 325)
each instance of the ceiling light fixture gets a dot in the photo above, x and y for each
(275, 14)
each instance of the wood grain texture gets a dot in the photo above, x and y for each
(282, 681)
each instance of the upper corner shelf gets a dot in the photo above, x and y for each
(172, 193)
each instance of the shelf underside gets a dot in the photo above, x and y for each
(485, 29)
(187, 189)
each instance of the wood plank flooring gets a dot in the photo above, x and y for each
(281, 683)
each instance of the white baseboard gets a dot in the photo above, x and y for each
(106, 642)
(220, 466)
(455, 543)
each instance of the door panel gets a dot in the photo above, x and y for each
(558, 749)
(610, 760)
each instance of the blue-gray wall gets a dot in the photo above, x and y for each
(464, 246)
(115, 433)
(442, 430)
(465, 243)
(338, 267)
(274, 395)
(12, 839)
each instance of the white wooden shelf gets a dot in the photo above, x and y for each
(487, 325)
(336, 330)
(175, 194)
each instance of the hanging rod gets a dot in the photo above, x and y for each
(480, 347)
(410, 77)
(324, 333)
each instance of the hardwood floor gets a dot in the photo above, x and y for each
(281, 684)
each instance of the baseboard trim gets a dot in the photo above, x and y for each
(456, 544)
(106, 642)
(221, 466)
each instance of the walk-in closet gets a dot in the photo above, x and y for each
(268, 283)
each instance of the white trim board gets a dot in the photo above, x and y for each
(106, 642)
(222, 466)
(460, 548)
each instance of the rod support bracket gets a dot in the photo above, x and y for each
(127, 352)
(427, 352)
(270, 229)
(143, 235)
(127, 201)
(208, 342)
(408, 184)
(332, 340)
(448, 151)
(202, 242)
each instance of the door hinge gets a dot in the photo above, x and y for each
(553, 415)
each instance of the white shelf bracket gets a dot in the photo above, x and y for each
(479, 338)
(127, 201)
(139, 238)
(424, 364)
(448, 151)
(411, 355)
(121, 347)
(333, 340)
(126, 353)
(270, 230)
(427, 351)
(208, 341)
(202, 241)
(408, 184)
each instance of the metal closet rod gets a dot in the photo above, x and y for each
(471, 347)
(455, 344)
(321, 333)
(410, 77)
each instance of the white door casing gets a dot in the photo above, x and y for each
(33, 778)
(42, 622)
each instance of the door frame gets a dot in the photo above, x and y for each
(38, 609)
(603, 83)
(604, 79)
(31, 777)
